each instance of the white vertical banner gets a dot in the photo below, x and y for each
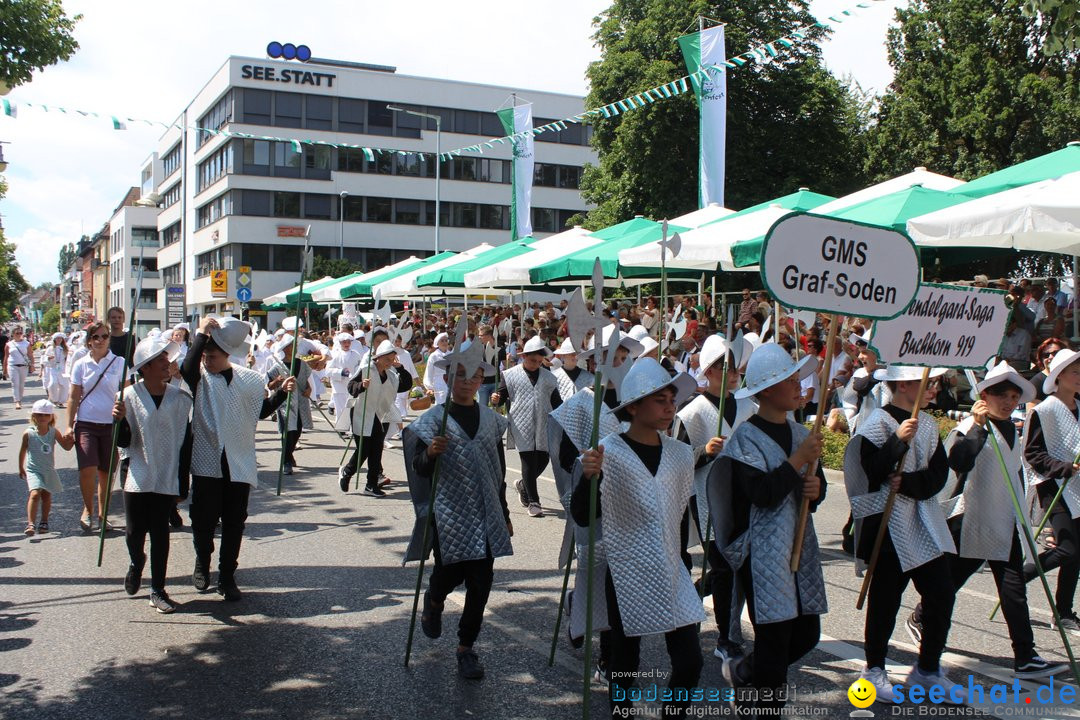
(705, 56)
(518, 123)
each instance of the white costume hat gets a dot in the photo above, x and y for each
(1003, 372)
(289, 324)
(713, 350)
(231, 336)
(647, 376)
(440, 337)
(535, 344)
(57, 335)
(344, 337)
(152, 346)
(43, 407)
(771, 364)
(385, 348)
(648, 345)
(854, 338)
(567, 348)
(905, 373)
(625, 340)
(278, 333)
(639, 333)
(1063, 359)
(182, 326)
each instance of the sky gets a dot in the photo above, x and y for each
(66, 174)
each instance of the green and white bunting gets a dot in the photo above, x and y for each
(702, 50)
(518, 123)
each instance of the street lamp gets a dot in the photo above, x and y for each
(341, 225)
(438, 162)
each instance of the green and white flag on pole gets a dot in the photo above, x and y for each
(518, 123)
(705, 49)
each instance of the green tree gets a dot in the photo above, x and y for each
(1062, 20)
(790, 122)
(50, 319)
(33, 35)
(12, 283)
(334, 267)
(972, 93)
(67, 256)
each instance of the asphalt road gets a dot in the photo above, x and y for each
(321, 630)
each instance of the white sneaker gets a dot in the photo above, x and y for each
(955, 693)
(880, 680)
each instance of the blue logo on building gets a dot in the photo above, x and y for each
(288, 51)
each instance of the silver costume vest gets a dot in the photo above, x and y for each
(879, 396)
(225, 416)
(1062, 435)
(468, 512)
(989, 524)
(529, 407)
(157, 435)
(699, 418)
(917, 527)
(380, 402)
(300, 413)
(568, 387)
(642, 515)
(770, 536)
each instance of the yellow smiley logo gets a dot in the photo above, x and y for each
(862, 693)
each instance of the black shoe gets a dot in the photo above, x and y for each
(469, 665)
(133, 579)
(174, 519)
(1070, 624)
(523, 497)
(914, 629)
(227, 589)
(1036, 667)
(726, 649)
(431, 618)
(600, 674)
(374, 491)
(200, 578)
(343, 479)
(162, 603)
(575, 643)
(288, 469)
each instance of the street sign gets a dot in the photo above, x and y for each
(219, 283)
(243, 283)
(243, 294)
(175, 300)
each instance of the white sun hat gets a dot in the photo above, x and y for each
(1063, 359)
(905, 373)
(771, 364)
(625, 340)
(344, 337)
(647, 377)
(638, 332)
(152, 346)
(567, 348)
(1002, 373)
(42, 407)
(231, 336)
(535, 344)
(385, 348)
(290, 323)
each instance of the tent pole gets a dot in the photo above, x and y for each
(701, 290)
(1075, 309)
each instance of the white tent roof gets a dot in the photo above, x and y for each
(405, 285)
(332, 292)
(918, 176)
(710, 213)
(514, 272)
(1043, 216)
(283, 295)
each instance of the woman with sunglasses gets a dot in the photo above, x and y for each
(95, 378)
(1044, 355)
(19, 361)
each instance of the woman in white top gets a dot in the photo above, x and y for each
(95, 380)
(19, 361)
(57, 382)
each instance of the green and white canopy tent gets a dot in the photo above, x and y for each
(513, 272)
(1045, 167)
(332, 293)
(289, 298)
(452, 278)
(404, 285)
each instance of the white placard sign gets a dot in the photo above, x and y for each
(946, 326)
(820, 263)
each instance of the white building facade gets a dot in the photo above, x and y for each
(228, 202)
(133, 241)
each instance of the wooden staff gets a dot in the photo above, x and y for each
(292, 360)
(594, 441)
(883, 528)
(363, 410)
(719, 433)
(824, 394)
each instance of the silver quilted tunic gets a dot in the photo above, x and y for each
(157, 434)
(568, 387)
(529, 407)
(989, 523)
(301, 406)
(225, 416)
(1062, 435)
(468, 512)
(770, 536)
(917, 527)
(642, 515)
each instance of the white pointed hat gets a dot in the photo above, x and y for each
(289, 324)
(905, 373)
(1003, 372)
(771, 364)
(152, 346)
(535, 344)
(231, 336)
(626, 340)
(1062, 360)
(646, 377)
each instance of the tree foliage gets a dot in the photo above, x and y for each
(790, 122)
(323, 266)
(12, 283)
(67, 256)
(33, 35)
(972, 92)
(1062, 21)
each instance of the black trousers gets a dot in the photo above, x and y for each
(1064, 555)
(934, 581)
(147, 512)
(1011, 587)
(477, 576)
(214, 499)
(719, 578)
(370, 450)
(777, 646)
(533, 462)
(684, 650)
(292, 438)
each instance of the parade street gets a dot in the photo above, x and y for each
(321, 630)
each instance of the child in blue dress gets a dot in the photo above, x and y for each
(36, 464)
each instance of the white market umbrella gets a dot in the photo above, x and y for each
(332, 292)
(514, 272)
(405, 285)
(918, 176)
(1042, 217)
(283, 296)
(710, 213)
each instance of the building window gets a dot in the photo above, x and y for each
(496, 171)
(543, 220)
(408, 125)
(319, 112)
(288, 109)
(144, 237)
(171, 275)
(491, 125)
(380, 121)
(495, 217)
(171, 162)
(383, 164)
(171, 196)
(171, 234)
(257, 157)
(354, 208)
(287, 258)
(379, 210)
(256, 202)
(214, 210)
(255, 255)
(407, 212)
(545, 175)
(378, 257)
(351, 115)
(218, 117)
(350, 160)
(465, 215)
(286, 160)
(317, 162)
(215, 167)
(407, 165)
(287, 204)
(569, 177)
(257, 106)
(467, 122)
(464, 168)
(207, 261)
(316, 207)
